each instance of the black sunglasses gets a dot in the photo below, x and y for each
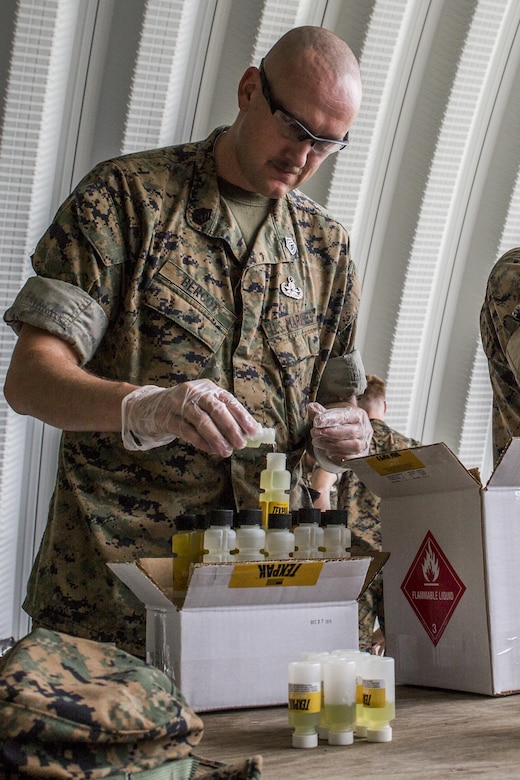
(292, 129)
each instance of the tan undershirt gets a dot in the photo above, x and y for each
(249, 209)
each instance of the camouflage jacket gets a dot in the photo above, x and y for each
(361, 504)
(135, 272)
(500, 331)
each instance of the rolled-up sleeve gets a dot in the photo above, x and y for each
(62, 309)
(342, 378)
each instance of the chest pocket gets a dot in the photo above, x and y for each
(188, 308)
(294, 339)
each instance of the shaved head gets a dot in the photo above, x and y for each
(310, 79)
(334, 53)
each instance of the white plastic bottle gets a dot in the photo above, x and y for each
(304, 702)
(308, 534)
(219, 537)
(250, 536)
(279, 538)
(359, 659)
(339, 697)
(337, 538)
(378, 697)
(275, 483)
(319, 657)
(264, 436)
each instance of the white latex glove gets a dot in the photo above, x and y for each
(338, 435)
(198, 412)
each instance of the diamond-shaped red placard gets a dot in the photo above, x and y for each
(433, 588)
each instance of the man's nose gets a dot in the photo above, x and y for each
(299, 152)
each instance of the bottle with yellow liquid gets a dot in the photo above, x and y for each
(304, 702)
(378, 697)
(186, 549)
(339, 698)
(275, 483)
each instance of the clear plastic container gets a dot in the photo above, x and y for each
(308, 534)
(378, 697)
(250, 535)
(337, 538)
(264, 436)
(275, 483)
(304, 702)
(279, 539)
(219, 537)
(339, 698)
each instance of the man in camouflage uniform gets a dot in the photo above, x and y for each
(184, 296)
(500, 332)
(362, 505)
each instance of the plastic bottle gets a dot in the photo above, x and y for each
(358, 657)
(336, 536)
(219, 537)
(339, 697)
(319, 657)
(279, 539)
(308, 534)
(264, 436)
(250, 536)
(378, 697)
(275, 483)
(186, 549)
(304, 702)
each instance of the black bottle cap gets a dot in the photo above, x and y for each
(186, 522)
(220, 517)
(334, 517)
(249, 517)
(308, 514)
(281, 520)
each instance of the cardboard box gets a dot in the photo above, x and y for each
(231, 640)
(452, 581)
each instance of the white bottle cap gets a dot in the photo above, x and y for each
(380, 735)
(341, 737)
(305, 740)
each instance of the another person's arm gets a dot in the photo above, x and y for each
(322, 481)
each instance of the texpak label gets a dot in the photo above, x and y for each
(275, 573)
(432, 588)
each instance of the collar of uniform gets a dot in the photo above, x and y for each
(204, 211)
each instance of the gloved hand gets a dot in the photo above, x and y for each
(338, 434)
(198, 412)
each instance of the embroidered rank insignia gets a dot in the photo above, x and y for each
(291, 245)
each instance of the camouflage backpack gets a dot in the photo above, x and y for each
(75, 708)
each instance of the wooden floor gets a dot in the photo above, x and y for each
(436, 734)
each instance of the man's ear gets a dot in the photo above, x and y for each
(247, 86)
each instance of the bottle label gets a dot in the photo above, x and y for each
(275, 573)
(277, 507)
(305, 697)
(374, 694)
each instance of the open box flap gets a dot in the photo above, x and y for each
(150, 579)
(506, 472)
(276, 582)
(378, 560)
(432, 468)
(249, 584)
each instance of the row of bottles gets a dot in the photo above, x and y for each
(223, 538)
(337, 696)
(267, 531)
